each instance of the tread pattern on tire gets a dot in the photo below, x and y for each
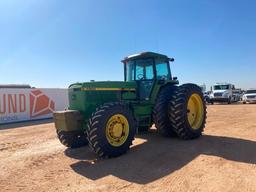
(73, 139)
(160, 111)
(96, 135)
(178, 111)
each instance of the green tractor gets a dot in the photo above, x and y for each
(106, 115)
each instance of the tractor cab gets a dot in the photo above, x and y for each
(146, 68)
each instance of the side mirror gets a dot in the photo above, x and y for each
(175, 78)
(171, 59)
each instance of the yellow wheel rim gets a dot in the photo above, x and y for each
(117, 130)
(195, 111)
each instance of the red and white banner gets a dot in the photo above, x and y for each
(30, 104)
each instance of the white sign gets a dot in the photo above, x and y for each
(30, 104)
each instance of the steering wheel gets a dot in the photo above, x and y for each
(140, 76)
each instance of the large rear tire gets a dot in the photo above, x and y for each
(160, 111)
(72, 139)
(187, 111)
(111, 130)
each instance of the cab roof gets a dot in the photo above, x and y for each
(145, 55)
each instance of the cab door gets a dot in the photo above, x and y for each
(144, 76)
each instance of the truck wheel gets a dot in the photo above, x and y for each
(111, 130)
(187, 111)
(160, 111)
(72, 139)
(229, 100)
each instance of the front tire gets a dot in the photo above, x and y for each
(229, 100)
(111, 130)
(187, 111)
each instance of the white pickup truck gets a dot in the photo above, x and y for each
(222, 92)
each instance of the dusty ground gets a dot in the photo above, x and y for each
(224, 159)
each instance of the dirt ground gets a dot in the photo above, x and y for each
(223, 159)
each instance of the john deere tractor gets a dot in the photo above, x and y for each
(106, 115)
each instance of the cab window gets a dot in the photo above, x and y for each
(144, 69)
(162, 69)
(130, 65)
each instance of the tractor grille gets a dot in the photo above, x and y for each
(217, 94)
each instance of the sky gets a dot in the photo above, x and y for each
(53, 43)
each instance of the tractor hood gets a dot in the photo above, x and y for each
(105, 86)
(86, 97)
